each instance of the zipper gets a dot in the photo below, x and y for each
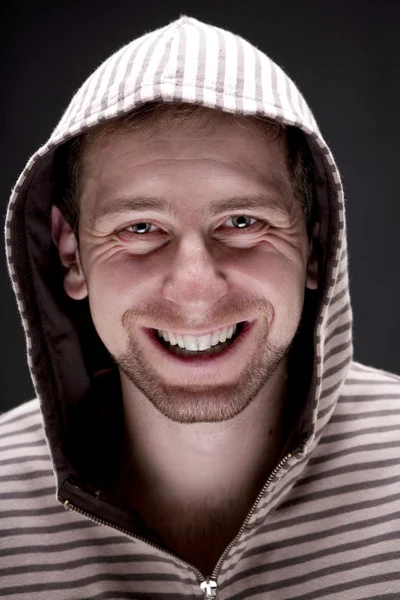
(209, 589)
(69, 506)
(208, 585)
(217, 568)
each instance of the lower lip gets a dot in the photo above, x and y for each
(207, 359)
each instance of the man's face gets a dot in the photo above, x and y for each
(230, 247)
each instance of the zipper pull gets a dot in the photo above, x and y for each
(209, 589)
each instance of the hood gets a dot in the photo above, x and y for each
(192, 62)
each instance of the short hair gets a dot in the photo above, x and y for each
(69, 165)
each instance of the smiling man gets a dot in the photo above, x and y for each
(189, 230)
(193, 252)
(178, 251)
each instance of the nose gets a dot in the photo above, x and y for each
(194, 280)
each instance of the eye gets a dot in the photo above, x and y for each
(140, 228)
(242, 221)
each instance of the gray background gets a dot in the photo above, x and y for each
(344, 57)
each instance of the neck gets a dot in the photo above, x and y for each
(189, 465)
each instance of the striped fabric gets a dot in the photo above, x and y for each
(327, 522)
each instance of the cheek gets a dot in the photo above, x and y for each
(279, 280)
(272, 274)
(118, 282)
(114, 284)
(117, 275)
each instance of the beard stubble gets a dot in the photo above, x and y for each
(205, 403)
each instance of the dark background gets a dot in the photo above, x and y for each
(343, 55)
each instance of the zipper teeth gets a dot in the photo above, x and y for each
(69, 506)
(217, 568)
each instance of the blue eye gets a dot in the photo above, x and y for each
(242, 221)
(142, 227)
(239, 222)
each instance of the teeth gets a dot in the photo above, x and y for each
(215, 338)
(191, 343)
(181, 343)
(222, 337)
(197, 343)
(203, 342)
(172, 339)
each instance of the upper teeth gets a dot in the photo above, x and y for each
(196, 343)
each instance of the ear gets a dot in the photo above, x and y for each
(66, 242)
(312, 268)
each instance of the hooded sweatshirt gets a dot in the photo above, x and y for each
(326, 523)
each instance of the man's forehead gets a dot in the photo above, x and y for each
(169, 129)
(244, 149)
(124, 163)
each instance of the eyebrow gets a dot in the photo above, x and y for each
(266, 202)
(254, 202)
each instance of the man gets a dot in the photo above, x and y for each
(178, 252)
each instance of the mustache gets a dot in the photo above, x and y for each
(160, 316)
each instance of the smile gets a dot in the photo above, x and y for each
(209, 353)
(198, 343)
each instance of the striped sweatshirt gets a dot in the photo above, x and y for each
(326, 523)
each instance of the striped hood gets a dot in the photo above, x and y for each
(196, 63)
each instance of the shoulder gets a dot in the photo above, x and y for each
(365, 383)
(22, 440)
(23, 421)
(368, 408)
(359, 444)
(26, 471)
(359, 372)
